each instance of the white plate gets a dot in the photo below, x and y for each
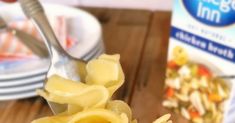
(23, 88)
(24, 81)
(18, 95)
(84, 26)
(26, 91)
(30, 68)
(32, 79)
(37, 66)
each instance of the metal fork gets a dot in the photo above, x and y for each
(62, 63)
(36, 46)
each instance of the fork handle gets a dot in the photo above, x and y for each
(34, 10)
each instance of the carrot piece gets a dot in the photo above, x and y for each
(172, 65)
(203, 71)
(169, 92)
(215, 97)
(194, 113)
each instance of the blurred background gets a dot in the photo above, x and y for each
(134, 4)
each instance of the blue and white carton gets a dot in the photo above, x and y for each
(201, 61)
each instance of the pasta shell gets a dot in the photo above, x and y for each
(185, 113)
(170, 103)
(182, 97)
(196, 102)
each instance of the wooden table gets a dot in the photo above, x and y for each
(141, 37)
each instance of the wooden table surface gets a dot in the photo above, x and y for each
(141, 37)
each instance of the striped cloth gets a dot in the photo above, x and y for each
(11, 47)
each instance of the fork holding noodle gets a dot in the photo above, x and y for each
(90, 102)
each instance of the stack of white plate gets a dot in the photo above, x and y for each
(21, 82)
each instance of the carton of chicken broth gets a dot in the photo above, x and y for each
(201, 50)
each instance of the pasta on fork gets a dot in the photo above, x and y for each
(90, 101)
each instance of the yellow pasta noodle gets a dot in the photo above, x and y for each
(106, 71)
(90, 101)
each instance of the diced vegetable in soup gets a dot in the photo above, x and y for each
(194, 91)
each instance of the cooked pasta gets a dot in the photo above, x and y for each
(90, 102)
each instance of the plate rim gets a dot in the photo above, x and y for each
(23, 95)
(11, 90)
(24, 81)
